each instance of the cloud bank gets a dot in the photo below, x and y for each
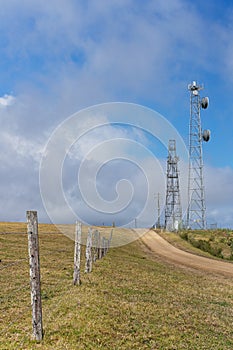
(58, 57)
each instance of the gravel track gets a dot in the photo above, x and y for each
(167, 252)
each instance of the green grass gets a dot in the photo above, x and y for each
(131, 301)
(218, 243)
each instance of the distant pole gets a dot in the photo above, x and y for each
(159, 224)
(33, 250)
(158, 210)
(88, 266)
(77, 253)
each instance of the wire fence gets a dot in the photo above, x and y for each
(15, 302)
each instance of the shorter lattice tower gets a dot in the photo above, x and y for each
(173, 211)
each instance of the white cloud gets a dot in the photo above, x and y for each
(219, 194)
(131, 195)
(125, 48)
(72, 55)
(7, 100)
(19, 146)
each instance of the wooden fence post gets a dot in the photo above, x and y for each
(77, 252)
(103, 245)
(99, 247)
(33, 250)
(106, 246)
(110, 238)
(95, 243)
(88, 266)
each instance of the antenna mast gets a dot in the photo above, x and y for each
(196, 195)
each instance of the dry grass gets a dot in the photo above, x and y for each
(21, 227)
(130, 301)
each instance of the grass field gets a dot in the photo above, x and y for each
(131, 300)
(218, 243)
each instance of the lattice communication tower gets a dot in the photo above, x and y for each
(196, 194)
(173, 211)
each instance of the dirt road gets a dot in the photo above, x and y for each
(169, 253)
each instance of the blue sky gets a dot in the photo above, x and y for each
(58, 57)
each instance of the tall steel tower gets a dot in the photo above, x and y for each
(196, 194)
(173, 211)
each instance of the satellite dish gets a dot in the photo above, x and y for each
(204, 102)
(206, 135)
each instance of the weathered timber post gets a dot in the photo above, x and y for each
(106, 246)
(77, 252)
(110, 238)
(33, 250)
(95, 243)
(103, 245)
(88, 266)
(99, 247)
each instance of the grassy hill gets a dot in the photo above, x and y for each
(131, 300)
(218, 243)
